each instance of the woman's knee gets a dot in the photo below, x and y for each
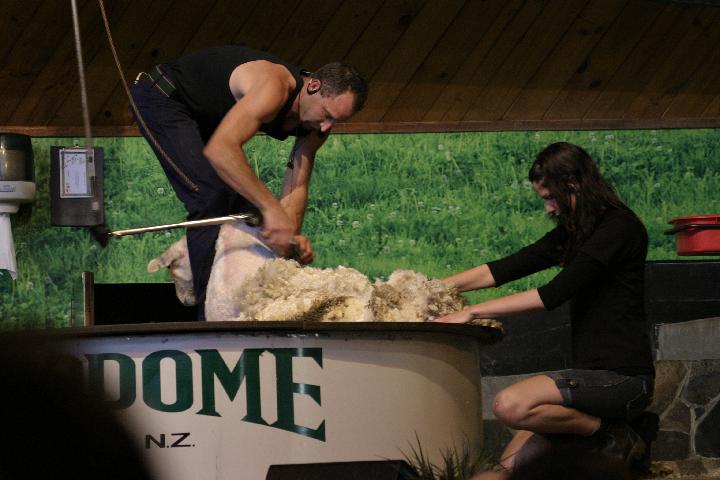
(509, 408)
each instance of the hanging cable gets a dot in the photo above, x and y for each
(124, 82)
(90, 165)
(81, 74)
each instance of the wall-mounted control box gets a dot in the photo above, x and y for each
(76, 186)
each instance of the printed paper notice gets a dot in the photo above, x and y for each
(74, 174)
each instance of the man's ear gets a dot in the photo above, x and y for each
(313, 86)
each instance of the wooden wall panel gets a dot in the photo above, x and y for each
(132, 29)
(501, 41)
(713, 108)
(603, 61)
(222, 24)
(690, 54)
(30, 53)
(699, 90)
(464, 85)
(407, 55)
(265, 23)
(57, 75)
(386, 27)
(642, 64)
(443, 62)
(585, 32)
(167, 41)
(341, 33)
(525, 59)
(433, 65)
(303, 28)
(15, 19)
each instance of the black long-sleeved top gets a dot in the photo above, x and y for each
(605, 282)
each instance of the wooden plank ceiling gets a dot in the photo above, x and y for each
(449, 65)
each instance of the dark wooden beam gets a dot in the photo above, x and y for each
(415, 127)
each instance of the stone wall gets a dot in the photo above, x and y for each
(687, 396)
(687, 399)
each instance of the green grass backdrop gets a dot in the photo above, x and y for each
(435, 203)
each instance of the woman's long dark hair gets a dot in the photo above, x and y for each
(566, 170)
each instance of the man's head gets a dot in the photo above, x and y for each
(333, 94)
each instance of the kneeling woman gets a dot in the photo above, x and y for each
(601, 246)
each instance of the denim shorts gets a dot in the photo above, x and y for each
(604, 393)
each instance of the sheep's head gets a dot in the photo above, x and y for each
(177, 261)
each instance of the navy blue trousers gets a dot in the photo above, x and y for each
(183, 139)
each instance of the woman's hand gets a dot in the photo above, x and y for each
(461, 316)
(497, 307)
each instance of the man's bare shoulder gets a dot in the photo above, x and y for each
(260, 73)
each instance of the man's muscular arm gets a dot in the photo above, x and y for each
(297, 177)
(296, 189)
(265, 90)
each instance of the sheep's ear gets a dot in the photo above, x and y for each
(167, 259)
(154, 265)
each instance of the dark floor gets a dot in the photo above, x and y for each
(706, 469)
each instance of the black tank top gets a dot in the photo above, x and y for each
(202, 80)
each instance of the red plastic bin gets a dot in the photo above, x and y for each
(696, 235)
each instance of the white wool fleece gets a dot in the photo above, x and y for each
(248, 282)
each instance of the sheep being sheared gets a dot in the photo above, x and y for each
(248, 282)
(283, 290)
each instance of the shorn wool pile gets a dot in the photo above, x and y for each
(249, 283)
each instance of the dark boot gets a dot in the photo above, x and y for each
(622, 443)
(646, 425)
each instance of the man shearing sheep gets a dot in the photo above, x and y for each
(204, 107)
